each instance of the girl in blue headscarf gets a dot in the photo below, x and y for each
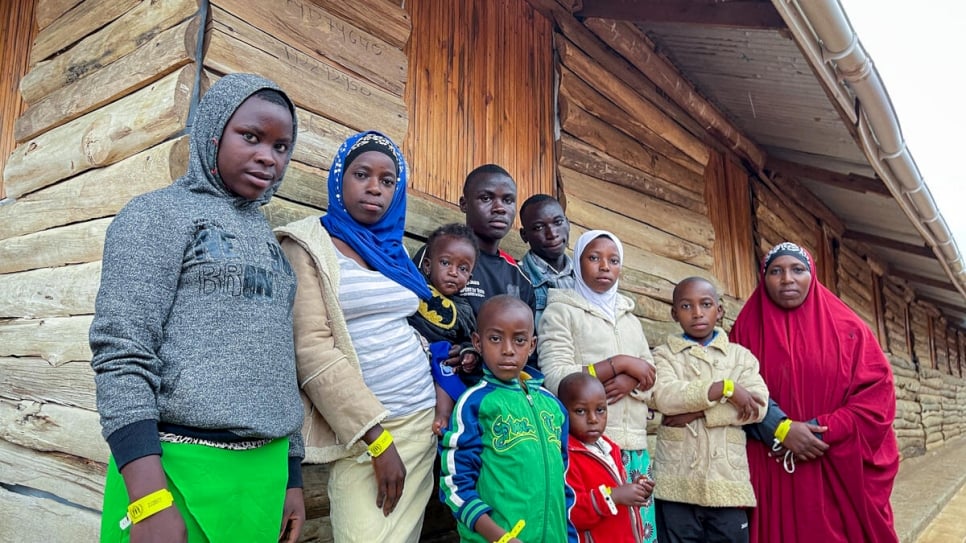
(365, 378)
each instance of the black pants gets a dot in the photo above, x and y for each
(687, 523)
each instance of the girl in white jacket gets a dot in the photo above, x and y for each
(591, 329)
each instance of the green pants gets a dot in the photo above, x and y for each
(223, 495)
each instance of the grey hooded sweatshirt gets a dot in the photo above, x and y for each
(192, 332)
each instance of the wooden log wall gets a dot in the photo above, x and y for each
(475, 100)
(107, 93)
(16, 33)
(629, 162)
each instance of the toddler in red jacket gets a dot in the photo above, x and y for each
(596, 473)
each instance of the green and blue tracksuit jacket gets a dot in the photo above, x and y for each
(505, 454)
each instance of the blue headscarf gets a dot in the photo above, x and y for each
(380, 244)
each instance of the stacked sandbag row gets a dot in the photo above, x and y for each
(930, 399)
(908, 423)
(953, 393)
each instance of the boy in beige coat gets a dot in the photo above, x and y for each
(707, 388)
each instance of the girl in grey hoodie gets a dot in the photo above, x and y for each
(192, 339)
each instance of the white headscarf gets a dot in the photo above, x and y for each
(605, 301)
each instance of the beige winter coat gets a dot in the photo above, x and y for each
(339, 407)
(703, 463)
(574, 334)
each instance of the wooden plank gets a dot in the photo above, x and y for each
(638, 234)
(105, 136)
(852, 182)
(388, 20)
(650, 262)
(68, 477)
(54, 428)
(888, 243)
(305, 185)
(616, 65)
(324, 88)
(17, 22)
(683, 223)
(57, 340)
(141, 24)
(591, 130)
(280, 211)
(635, 281)
(71, 244)
(318, 33)
(651, 309)
(582, 94)
(50, 292)
(424, 215)
(47, 11)
(637, 48)
(319, 139)
(75, 24)
(28, 378)
(734, 14)
(45, 519)
(164, 54)
(589, 160)
(807, 202)
(95, 193)
(634, 105)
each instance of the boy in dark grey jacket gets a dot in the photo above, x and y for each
(192, 337)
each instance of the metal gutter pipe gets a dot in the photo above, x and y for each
(824, 33)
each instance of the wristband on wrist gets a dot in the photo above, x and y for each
(612, 368)
(605, 492)
(782, 431)
(592, 370)
(517, 528)
(727, 390)
(380, 445)
(146, 506)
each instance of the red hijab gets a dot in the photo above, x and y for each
(821, 361)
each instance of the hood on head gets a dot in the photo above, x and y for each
(212, 114)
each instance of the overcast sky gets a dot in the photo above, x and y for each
(919, 49)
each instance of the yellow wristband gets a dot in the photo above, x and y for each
(143, 508)
(782, 431)
(592, 370)
(517, 528)
(380, 445)
(727, 390)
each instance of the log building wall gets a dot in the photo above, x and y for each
(110, 88)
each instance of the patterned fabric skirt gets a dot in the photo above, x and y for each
(224, 495)
(637, 463)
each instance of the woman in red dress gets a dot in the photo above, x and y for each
(826, 457)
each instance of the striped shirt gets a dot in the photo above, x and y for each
(394, 365)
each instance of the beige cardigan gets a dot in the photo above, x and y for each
(573, 334)
(703, 463)
(339, 407)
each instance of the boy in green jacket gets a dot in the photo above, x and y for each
(502, 428)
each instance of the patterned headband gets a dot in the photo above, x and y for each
(373, 142)
(786, 248)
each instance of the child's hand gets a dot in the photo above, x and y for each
(681, 420)
(619, 386)
(444, 408)
(469, 361)
(631, 494)
(802, 441)
(638, 368)
(746, 403)
(453, 358)
(648, 485)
